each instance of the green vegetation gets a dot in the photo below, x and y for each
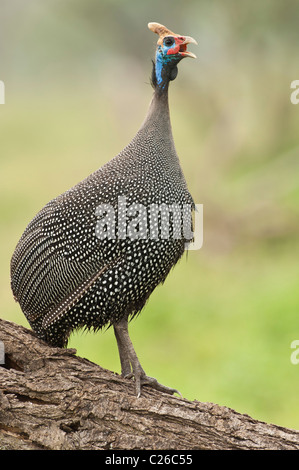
(77, 88)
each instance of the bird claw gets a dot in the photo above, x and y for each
(130, 365)
(143, 379)
(152, 382)
(128, 376)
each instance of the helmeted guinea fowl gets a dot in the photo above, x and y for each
(93, 255)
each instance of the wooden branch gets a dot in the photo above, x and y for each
(52, 399)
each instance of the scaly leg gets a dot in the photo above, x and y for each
(129, 359)
(124, 358)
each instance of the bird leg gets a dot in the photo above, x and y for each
(123, 355)
(130, 365)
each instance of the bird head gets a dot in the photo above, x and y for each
(171, 48)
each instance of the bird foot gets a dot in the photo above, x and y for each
(152, 382)
(142, 379)
(130, 365)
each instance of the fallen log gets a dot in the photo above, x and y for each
(52, 399)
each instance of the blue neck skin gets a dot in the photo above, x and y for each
(159, 66)
(162, 60)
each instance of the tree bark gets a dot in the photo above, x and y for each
(52, 399)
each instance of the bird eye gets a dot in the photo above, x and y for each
(168, 41)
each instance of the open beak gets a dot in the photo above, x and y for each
(182, 42)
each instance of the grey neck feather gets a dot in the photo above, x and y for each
(158, 116)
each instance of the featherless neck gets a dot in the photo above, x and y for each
(159, 106)
(158, 118)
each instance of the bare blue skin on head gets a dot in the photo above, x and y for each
(165, 61)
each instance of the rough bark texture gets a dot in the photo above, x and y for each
(52, 399)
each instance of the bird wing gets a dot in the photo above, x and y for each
(51, 269)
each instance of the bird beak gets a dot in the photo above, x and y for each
(183, 41)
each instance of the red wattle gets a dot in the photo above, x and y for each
(174, 50)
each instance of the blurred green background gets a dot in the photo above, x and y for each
(77, 88)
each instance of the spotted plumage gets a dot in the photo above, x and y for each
(67, 273)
